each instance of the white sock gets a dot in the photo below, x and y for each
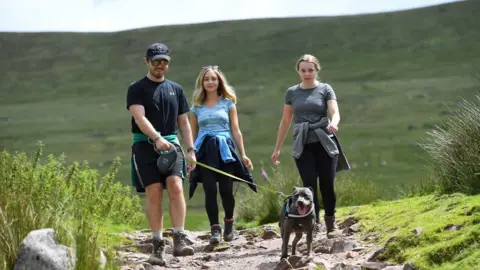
(178, 229)
(158, 234)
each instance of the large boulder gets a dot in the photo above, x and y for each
(40, 251)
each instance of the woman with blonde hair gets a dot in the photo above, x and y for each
(316, 148)
(214, 122)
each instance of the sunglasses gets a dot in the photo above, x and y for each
(211, 67)
(157, 62)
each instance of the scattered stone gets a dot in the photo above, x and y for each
(452, 227)
(418, 231)
(284, 265)
(343, 266)
(341, 245)
(269, 233)
(373, 265)
(351, 254)
(260, 249)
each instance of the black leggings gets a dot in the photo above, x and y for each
(225, 184)
(314, 163)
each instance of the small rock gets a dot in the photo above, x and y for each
(372, 265)
(293, 259)
(269, 234)
(204, 236)
(208, 265)
(352, 254)
(145, 248)
(283, 265)
(303, 262)
(355, 227)
(349, 221)
(140, 267)
(207, 257)
(418, 231)
(451, 227)
(174, 260)
(340, 246)
(343, 266)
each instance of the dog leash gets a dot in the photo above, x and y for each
(233, 176)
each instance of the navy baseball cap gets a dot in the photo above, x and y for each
(158, 51)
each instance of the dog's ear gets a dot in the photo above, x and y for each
(311, 189)
(295, 190)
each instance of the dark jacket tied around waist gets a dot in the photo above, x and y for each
(209, 154)
(330, 143)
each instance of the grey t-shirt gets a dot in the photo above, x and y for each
(309, 105)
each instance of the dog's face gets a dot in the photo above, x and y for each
(302, 198)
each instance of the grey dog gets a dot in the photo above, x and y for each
(298, 216)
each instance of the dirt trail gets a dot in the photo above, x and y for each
(260, 249)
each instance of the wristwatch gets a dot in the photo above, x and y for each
(189, 149)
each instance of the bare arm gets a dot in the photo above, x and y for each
(237, 134)
(284, 126)
(185, 129)
(333, 111)
(138, 113)
(194, 125)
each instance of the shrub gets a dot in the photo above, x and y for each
(70, 199)
(455, 150)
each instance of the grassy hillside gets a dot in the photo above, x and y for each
(433, 232)
(393, 74)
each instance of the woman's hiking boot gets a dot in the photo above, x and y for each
(156, 258)
(215, 232)
(228, 232)
(180, 247)
(330, 223)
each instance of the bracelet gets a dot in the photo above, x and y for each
(189, 149)
(156, 139)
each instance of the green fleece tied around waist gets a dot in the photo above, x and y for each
(140, 137)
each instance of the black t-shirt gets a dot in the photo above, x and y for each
(163, 102)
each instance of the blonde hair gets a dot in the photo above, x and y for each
(225, 90)
(310, 59)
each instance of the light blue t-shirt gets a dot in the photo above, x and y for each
(214, 118)
(215, 121)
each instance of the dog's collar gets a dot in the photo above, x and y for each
(288, 201)
(301, 216)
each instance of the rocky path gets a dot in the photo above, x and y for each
(260, 249)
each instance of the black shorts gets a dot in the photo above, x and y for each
(145, 171)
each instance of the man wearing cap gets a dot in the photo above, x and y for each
(159, 107)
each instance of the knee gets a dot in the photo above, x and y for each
(174, 189)
(154, 192)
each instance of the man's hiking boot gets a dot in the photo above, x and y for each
(228, 232)
(215, 232)
(180, 247)
(156, 258)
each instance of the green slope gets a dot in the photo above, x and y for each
(393, 74)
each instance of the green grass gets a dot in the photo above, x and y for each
(393, 74)
(436, 247)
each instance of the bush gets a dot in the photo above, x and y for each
(72, 200)
(455, 150)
